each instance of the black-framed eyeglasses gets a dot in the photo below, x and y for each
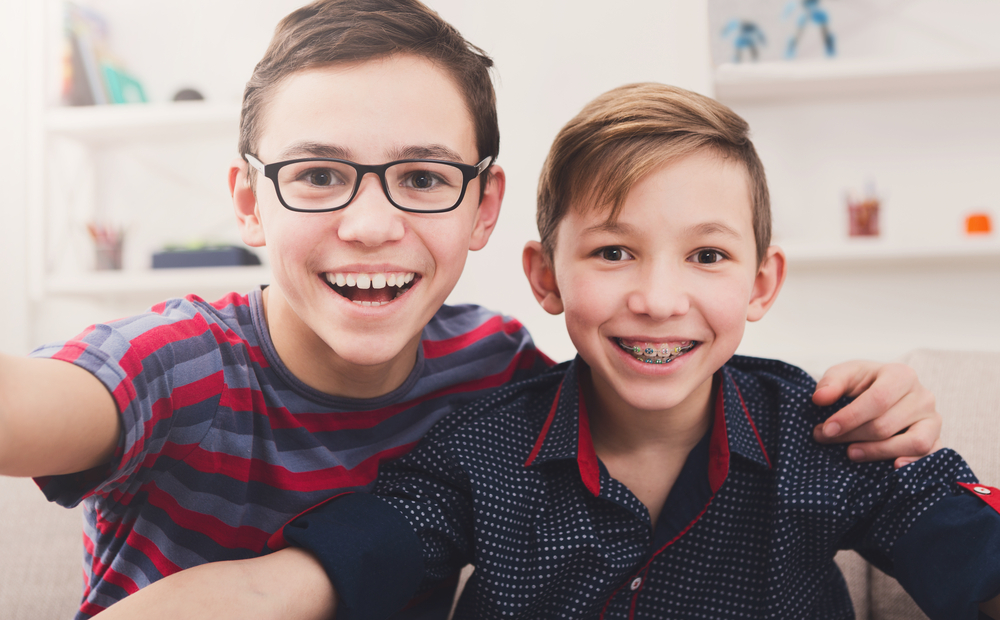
(320, 184)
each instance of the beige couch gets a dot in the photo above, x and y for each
(40, 573)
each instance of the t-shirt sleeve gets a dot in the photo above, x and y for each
(145, 363)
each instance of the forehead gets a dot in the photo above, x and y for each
(368, 110)
(680, 194)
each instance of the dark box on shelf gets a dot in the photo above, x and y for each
(222, 256)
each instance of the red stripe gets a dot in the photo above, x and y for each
(255, 470)
(545, 429)
(325, 422)
(149, 549)
(241, 537)
(439, 348)
(70, 352)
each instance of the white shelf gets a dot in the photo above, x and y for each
(160, 282)
(878, 253)
(798, 80)
(106, 124)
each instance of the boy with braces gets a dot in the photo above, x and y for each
(191, 433)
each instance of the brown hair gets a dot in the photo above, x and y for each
(626, 133)
(326, 32)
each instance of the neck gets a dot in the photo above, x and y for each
(317, 364)
(620, 429)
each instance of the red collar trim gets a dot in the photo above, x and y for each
(718, 447)
(586, 456)
(545, 429)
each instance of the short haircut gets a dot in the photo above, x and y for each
(328, 32)
(626, 133)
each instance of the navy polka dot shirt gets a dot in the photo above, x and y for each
(512, 485)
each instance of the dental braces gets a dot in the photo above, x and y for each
(665, 355)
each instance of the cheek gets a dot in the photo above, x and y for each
(588, 303)
(727, 308)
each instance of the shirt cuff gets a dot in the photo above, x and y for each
(949, 560)
(368, 550)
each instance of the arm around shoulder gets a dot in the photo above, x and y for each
(55, 418)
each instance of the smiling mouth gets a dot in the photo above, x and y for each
(656, 352)
(371, 289)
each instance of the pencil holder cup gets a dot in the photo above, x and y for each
(108, 255)
(863, 217)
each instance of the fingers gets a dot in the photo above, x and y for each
(892, 399)
(847, 379)
(906, 460)
(918, 441)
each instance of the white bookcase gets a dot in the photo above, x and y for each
(926, 135)
(157, 170)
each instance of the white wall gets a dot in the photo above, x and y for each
(13, 176)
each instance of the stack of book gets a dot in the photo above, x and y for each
(91, 73)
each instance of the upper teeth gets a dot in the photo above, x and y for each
(370, 280)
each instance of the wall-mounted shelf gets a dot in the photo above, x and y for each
(803, 80)
(157, 282)
(878, 253)
(108, 124)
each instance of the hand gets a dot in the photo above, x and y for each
(889, 399)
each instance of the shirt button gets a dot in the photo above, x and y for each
(982, 490)
(636, 583)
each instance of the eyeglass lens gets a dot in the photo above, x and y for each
(319, 185)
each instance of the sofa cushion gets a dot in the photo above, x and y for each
(41, 577)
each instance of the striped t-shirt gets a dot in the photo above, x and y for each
(222, 445)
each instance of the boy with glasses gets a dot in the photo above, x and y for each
(192, 432)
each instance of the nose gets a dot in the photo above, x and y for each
(370, 219)
(659, 292)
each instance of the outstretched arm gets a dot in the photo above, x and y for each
(287, 584)
(892, 417)
(55, 418)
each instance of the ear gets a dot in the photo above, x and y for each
(541, 277)
(767, 283)
(489, 208)
(245, 204)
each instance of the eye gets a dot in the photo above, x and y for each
(423, 180)
(614, 254)
(321, 177)
(708, 257)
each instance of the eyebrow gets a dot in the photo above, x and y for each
(710, 228)
(610, 226)
(703, 229)
(333, 151)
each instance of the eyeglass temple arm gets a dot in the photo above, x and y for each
(483, 165)
(253, 161)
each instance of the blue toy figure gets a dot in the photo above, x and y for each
(748, 36)
(811, 12)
